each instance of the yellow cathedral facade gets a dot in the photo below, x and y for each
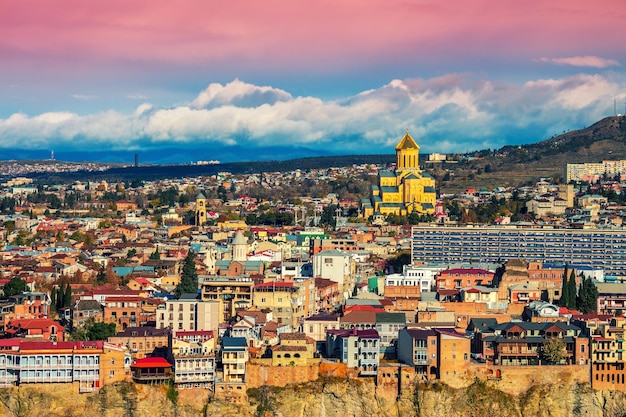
(406, 189)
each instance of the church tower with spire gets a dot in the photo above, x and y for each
(240, 247)
(404, 190)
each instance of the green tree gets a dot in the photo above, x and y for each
(102, 276)
(100, 331)
(53, 296)
(587, 296)
(189, 277)
(14, 287)
(131, 252)
(67, 297)
(155, 255)
(60, 295)
(553, 351)
(571, 297)
(564, 300)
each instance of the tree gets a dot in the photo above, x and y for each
(60, 296)
(564, 300)
(100, 331)
(67, 297)
(14, 287)
(572, 291)
(101, 277)
(189, 278)
(553, 351)
(587, 296)
(155, 255)
(53, 296)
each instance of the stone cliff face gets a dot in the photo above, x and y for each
(323, 398)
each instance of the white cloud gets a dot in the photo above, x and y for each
(240, 94)
(582, 61)
(453, 113)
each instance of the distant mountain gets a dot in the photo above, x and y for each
(605, 139)
(168, 155)
(511, 165)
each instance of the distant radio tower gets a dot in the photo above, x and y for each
(52, 155)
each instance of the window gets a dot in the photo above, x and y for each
(111, 374)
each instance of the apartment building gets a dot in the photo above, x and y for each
(231, 293)
(358, 349)
(189, 313)
(602, 248)
(288, 301)
(191, 352)
(88, 365)
(418, 348)
(234, 357)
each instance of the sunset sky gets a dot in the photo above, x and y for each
(341, 76)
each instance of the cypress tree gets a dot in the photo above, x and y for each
(189, 278)
(571, 298)
(60, 296)
(53, 297)
(67, 298)
(564, 300)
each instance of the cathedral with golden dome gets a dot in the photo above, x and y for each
(406, 189)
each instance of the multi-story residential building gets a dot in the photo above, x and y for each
(337, 266)
(388, 325)
(604, 248)
(413, 281)
(611, 298)
(90, 365)
(458, 278)
(357, 348)
(327, 243)
(123, 311)
(231, 293)
(234, 357)
(418, 348)
(192, 353)
(189, 313)
(327, 294)
(453, 355)
(521, 343)
(141, 341)
(317, 325)
(286, 300)
(588, 171)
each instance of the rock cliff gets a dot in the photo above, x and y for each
(323, 398)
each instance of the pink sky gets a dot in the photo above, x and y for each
(303, 33)
(461, 74)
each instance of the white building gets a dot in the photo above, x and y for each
(337, 266)
(189, 313)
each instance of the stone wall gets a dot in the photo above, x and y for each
(518, 379)
(279, 376)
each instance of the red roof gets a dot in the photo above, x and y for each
(274, 284)
(149, 362)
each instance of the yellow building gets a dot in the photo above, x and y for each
(200, 210)
(295, 349)
(404, 190)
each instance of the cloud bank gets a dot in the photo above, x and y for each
(452, 113)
